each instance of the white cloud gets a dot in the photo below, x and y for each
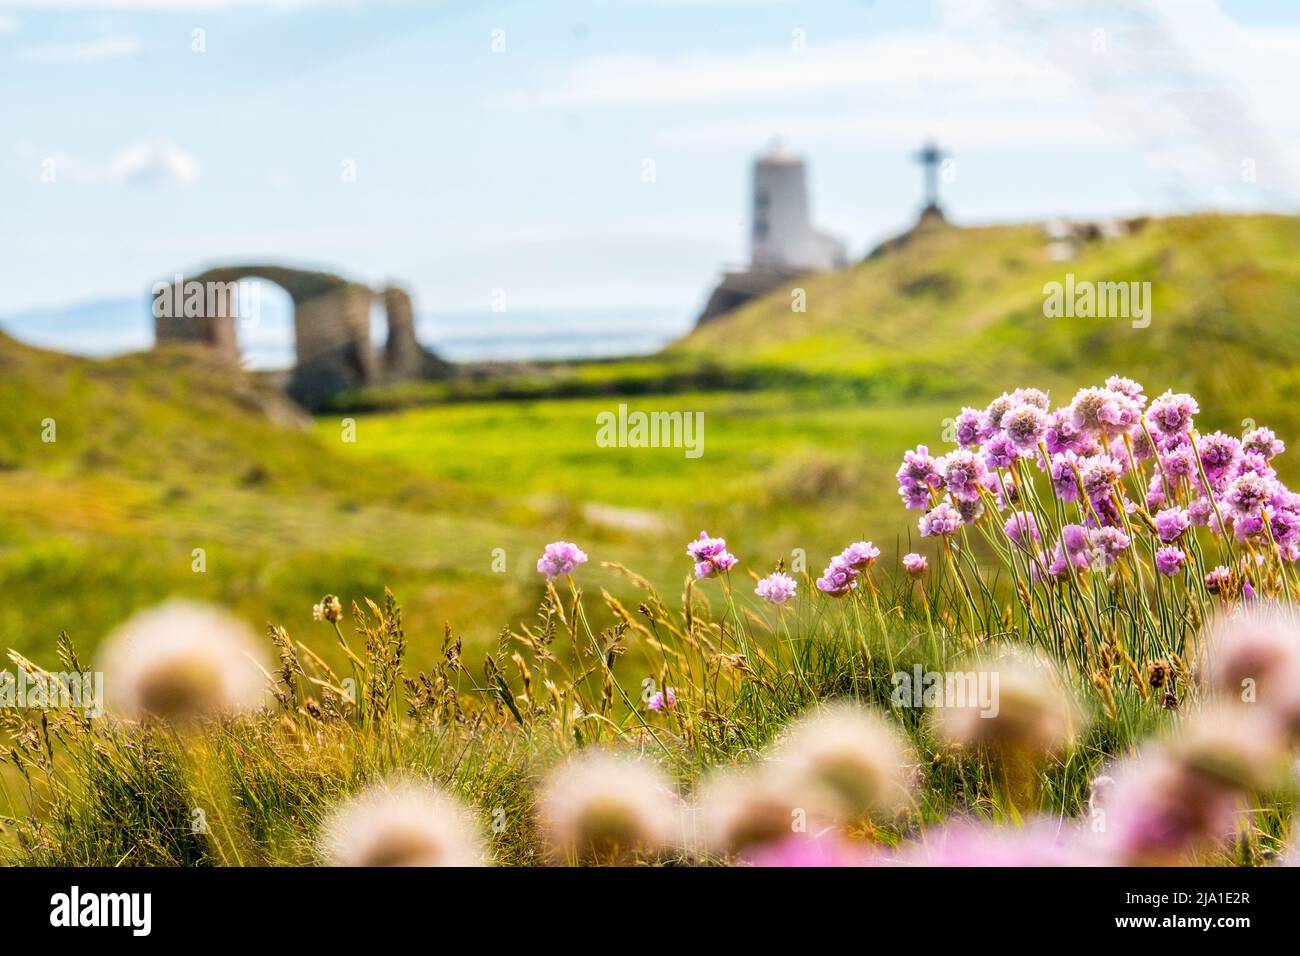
(1008, 73)
(896, 88)
(149, 162)
(924, 61)
(1190, 88)
(104, 48)
(8, 24)
(869, 128)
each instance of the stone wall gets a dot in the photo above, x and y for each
(404, 357)
(333, 342)
(331, 328)
(216, 330)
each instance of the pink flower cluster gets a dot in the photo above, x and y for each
(665, 699)
(560, 558)
(1112, 454)
(841, 575)
(777, 588)
(915, 564)
(710, 556)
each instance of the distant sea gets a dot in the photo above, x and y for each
(113, 326)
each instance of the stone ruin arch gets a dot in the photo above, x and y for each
(331, 319)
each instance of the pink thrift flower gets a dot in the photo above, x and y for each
(943, 520)
(1285, 525)
(999, 453)
(1107, 545)
(1170, 560)
(1247, 493)
(860, 555)
(665, 699)
(1200, 511)
(1219, 455)
(1063, 435)
(1216, 581)
(1025, 426)
(916, 564)
(1171, 414)
(827, 850)
(972, 428)
(1062, 474)
(1171, 523)
(962, 471)
(1128, 388)
(1179, 462)
(1072, 551)
(1029, 396)
(1040, 842)
(918, 474)
(970, 510)
(838, 579)
(777, 588)
(1103, 410)
(710, 555)
(1022, 529)
(1099, 473)
(560, 558)
(1263, 441)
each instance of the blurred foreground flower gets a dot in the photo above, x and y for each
(826, 850)
(1187, 794)
(182, 661)
(855, 755)
(743, 812)
(1040, 842)
(403, 824)
(602, 808)
(1253, 658)
(1012, 703)
(1015, 710)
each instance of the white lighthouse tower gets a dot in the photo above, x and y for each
(782, 236)
(783, 244)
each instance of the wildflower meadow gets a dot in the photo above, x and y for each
(1089, 658)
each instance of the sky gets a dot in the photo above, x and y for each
(592, 155)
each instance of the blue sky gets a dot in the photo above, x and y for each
(522, 169)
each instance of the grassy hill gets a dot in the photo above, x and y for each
(158, 454)
(960, 311)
